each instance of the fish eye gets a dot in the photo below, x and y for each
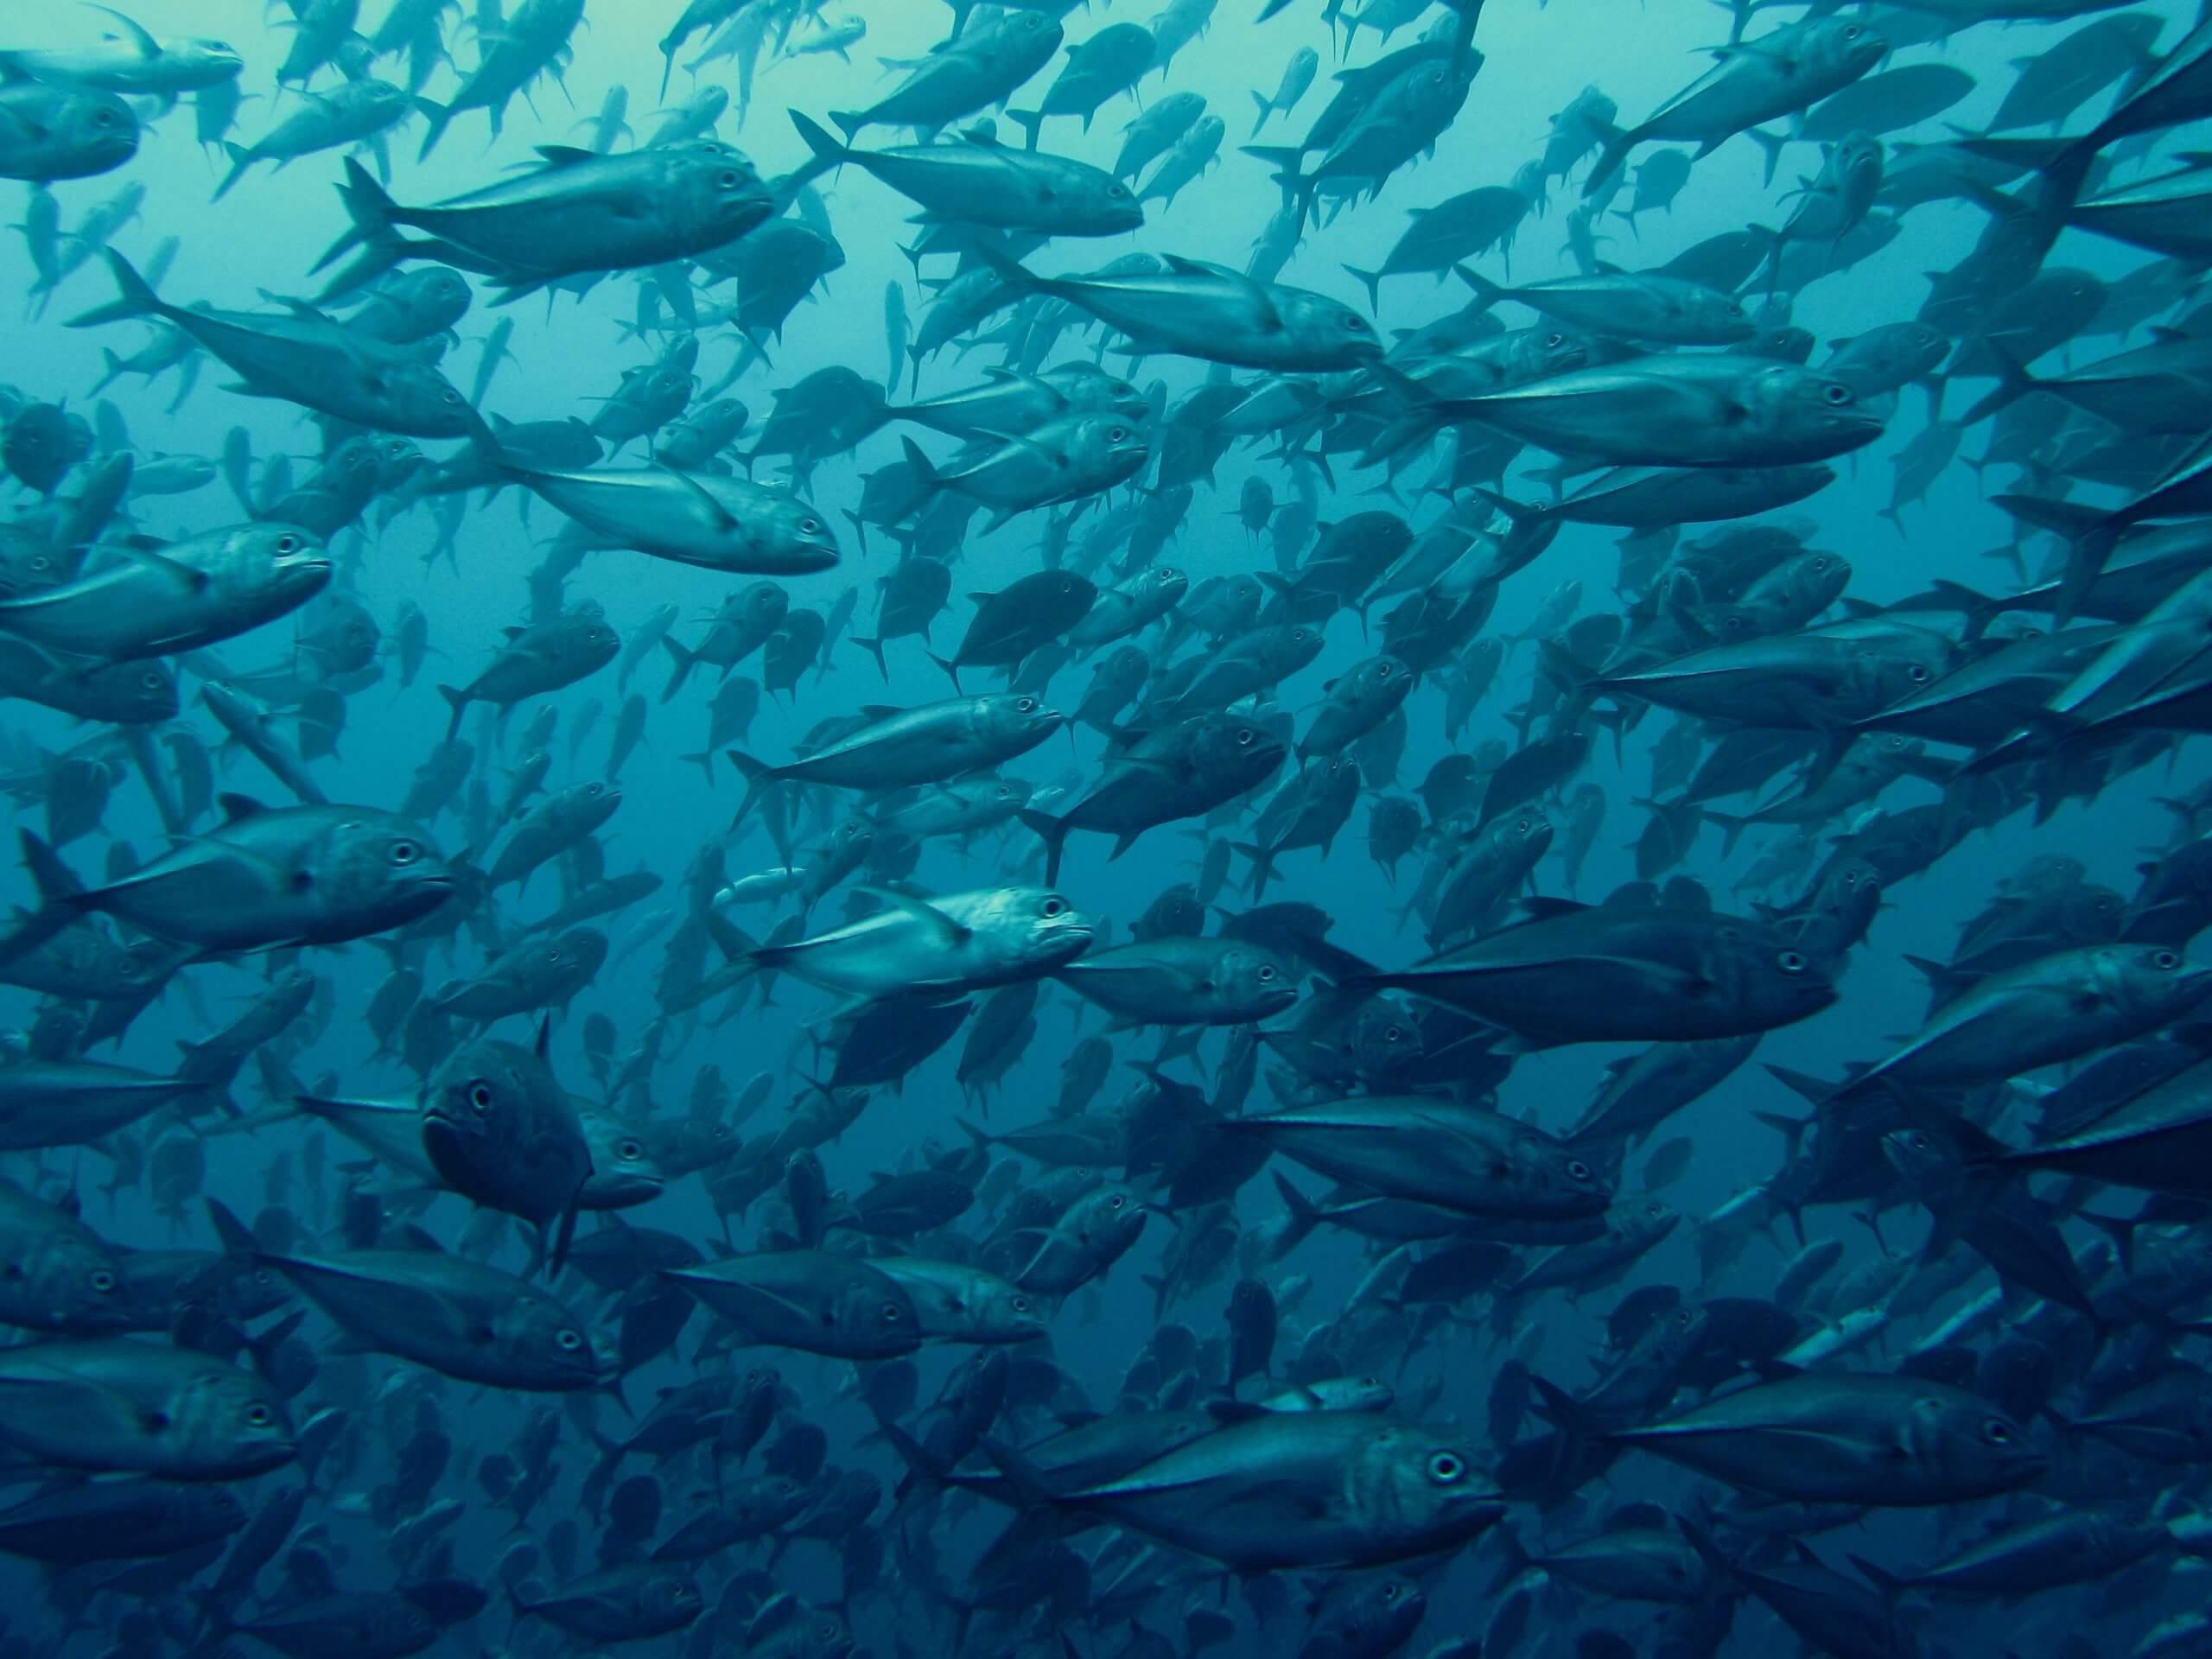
(2166, 959)
(1790, 961)
(1382, 671)
(1391, 1034)
(1244, 737)
(451, 396)
(568, 1340)
(1053, 907)
(1117, 434)
(151, 681)
(1997, 1432)
(729, 180)
(1852, 32)
(1118, 1201)
(103, 1280)
(1917, 674)
(891, 1312)
(288, 544)
(1116, 191)
(1554, 340)
(1267, 973)
(1445, 1468)
(1020, 1304)
(1389, 1593)
(259, 1416)
(629, 1151)
(403, 851)
(1026, 705)
(809, 526)
(1836, 393)
(1577, 1170)
(1682, 1319)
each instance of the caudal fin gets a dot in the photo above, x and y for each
(1617, 143)
(758, 777)
(135, 297)
(61, 899)
(373, 231)
(874, 648)
(1053, 832)
(457, 700)
(686, 660)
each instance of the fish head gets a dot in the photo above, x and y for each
(535, 1337)
(1112, 207)
(377, 864)
(1770, 977)
(1226, 746)
(1810, 412)
(1035, 927)
(1645, 1219)
(800, 539)
(276, 561)
(1409, 1486)
(1839, 48)
(764, 604)
(95, 130)
(230, 1420)
(714, 189)
(1327, 328)
(1521, 838)
(74, 1283)
(131, 694)
(397, 460)
(479, 1110)
(1015, 717)
(2154, 981)
(1927, 1162)
(1105, 1222)
(206, 58)
(874, 1312)
(421, 401)
(1259, 980)
(1968, 1445)
(1004, 1311)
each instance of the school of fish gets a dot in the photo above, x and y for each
(1047, 988)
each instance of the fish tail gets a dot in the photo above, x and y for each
(1266, 108)
(2013, 383)
(135, 297)
(756, 778)
(1053, 832)
(686, 660)
(828, 152)
(1030, 121)
(1305, 1216)
(874, 648)
(241, 159)
(1617, 143)
(1372, 280)
(458, 700)
(1772, 145)
(440, 115)
(373, 230)
(61, 897)
(952, 671)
